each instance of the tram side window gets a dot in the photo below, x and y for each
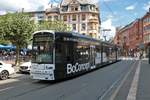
(98, 55)
(112, 53)
(82, 53)
(105, 53)
(64, 52)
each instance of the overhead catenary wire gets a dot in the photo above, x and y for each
(107, 6)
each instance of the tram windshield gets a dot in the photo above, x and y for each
(42, 48)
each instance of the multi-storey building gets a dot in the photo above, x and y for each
(146, 30)
(38, 16)
(81, 15)
(130, 37)
(135, 35)
(122, 39)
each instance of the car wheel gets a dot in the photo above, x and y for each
(4, 75)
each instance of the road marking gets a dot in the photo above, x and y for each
(134, 85)
(102, 97)
(6, 89)
(122, 82)
(113, 85)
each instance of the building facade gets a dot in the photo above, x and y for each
(146, 31)
(81, 15)
(130, 38)
(38, 16)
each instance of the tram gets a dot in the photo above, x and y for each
(61, 55)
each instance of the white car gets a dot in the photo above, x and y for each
(25, 67)
(5, 70)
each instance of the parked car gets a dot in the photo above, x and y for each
(25, 67)
(5, 70)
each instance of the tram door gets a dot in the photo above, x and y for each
(92, 56)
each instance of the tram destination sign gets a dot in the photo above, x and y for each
(44, 38)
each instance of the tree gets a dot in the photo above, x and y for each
(17, 28)
(53, 25)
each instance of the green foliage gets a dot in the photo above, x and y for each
(2, 41)
(16, 28)
(53, 25)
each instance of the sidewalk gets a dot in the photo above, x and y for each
(143, 92)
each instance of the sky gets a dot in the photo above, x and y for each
(113, 13)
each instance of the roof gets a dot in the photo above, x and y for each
(36, 12)
(53, 10)
(66, 2)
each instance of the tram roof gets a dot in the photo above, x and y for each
(75, 34)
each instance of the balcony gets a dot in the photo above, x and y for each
(93, 20)
(92, 31)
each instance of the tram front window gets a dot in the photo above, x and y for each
(42, 50)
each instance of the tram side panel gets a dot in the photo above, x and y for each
(74, 58)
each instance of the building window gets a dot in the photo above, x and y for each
(74, 26)
(93, 15)
(83, 17)
(64, 8)
(50, 18)
(83, 8)
(146, 20)
(91, 35)
(92, 7)
(55, 17)
(83, 27)
(74, 17)
(72, 8)
(65, 18)
(147, 28)
(147, 38)
(76, 9)
(96, 9)
(90, 26)
(40, 17)
(83, 33)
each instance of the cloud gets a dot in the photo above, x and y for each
(147, 6)
(131, 7)
(94, 1)
(2, 12)
(28, 5)
(108, 0)
(108, 25)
